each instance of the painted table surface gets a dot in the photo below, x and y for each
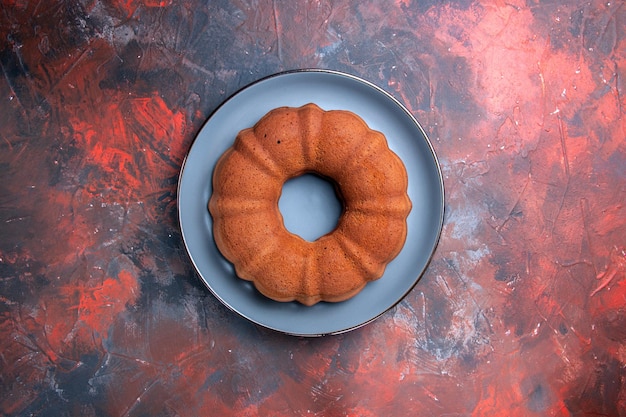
(520, 313)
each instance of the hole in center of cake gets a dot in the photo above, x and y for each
(309, 206)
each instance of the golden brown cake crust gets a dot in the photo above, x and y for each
(248, 227)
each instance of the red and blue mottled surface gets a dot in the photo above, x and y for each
(522, 311)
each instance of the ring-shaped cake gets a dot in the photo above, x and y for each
(370, 181)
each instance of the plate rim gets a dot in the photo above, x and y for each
(400, 106)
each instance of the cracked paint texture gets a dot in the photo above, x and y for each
(522, 311)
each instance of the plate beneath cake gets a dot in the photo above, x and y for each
(329, 90)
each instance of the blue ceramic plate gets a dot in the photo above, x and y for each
(329, 90)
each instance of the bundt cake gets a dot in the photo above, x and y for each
(371, 183)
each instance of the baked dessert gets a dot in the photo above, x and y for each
(370, 180)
